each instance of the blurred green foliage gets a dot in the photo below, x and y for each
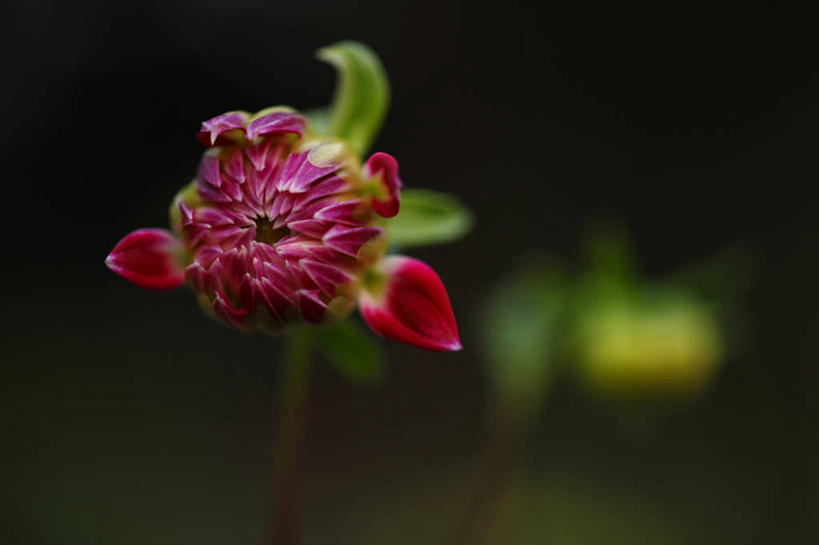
(521, 333)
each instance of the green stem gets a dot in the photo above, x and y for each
(293, 390)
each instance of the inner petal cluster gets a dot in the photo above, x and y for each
(278, 227)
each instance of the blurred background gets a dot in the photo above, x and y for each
(132, 418)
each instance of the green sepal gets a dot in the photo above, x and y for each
(361, 97)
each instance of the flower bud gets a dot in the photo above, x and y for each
(650, 347)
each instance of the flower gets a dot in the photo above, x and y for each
(653, 343)
(280, 227)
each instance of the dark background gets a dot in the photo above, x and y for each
(132, 418)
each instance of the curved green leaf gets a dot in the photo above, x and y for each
(428, 217)
(362, 93)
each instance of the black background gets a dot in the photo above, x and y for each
(132, 418)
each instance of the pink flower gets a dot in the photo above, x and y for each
(281, 227)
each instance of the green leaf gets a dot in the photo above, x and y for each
(353, 352)
(428, 217)
(362, 93)
(523, 323)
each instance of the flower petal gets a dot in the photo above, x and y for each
(212, 129)
(326, 277)
(311, 306)
(382, 169)
(349, 240)
(411, 306)
(278, 122)
(148, 258)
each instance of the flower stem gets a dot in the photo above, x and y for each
(496, 469)
(293, 391)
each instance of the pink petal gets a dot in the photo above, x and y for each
(257, 154)
(237, 317)
(326, 277)
(384, 168)
(340, 212)
(311, 228)
(299, 174)
(148, 258)
(311, 307)
(211, 129)
(413, 307)
(349, 240)
(209, 171)
(276, 123)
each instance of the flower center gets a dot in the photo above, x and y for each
(265, 232)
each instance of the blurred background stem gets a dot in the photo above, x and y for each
(289, 443)
(496, 470)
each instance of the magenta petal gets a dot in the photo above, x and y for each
(237, 317)
(213, 128)
(209, 171)
(384, 168)
(311, 307)
(349, 240)
(341, 212)
(311, 228)
(257, 154)
(326, 277)
(148, 258)
(276, 123)
(414, 307)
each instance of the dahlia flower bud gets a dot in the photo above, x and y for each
(280, 227)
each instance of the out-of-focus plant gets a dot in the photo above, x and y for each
(636, 339)
(621, 336)
(284, 228)
(522, 328)
(648, 342)
(624, 339)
